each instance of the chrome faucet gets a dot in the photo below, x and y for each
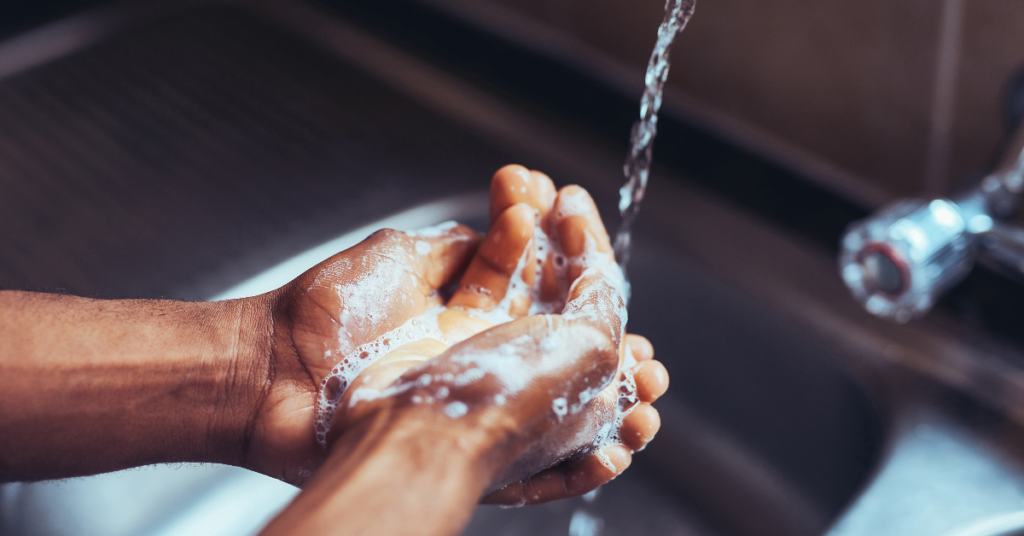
(898, 261)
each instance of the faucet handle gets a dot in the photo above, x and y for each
(899, 261)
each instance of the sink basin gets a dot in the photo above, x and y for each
(218, 150)
(761, 435)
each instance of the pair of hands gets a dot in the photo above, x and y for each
(523, 366)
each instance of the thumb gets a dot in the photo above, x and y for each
(442, 252)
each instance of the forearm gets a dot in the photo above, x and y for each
(88, 386)
(395, 474)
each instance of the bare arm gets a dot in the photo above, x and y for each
(395, 472)
(88, 386)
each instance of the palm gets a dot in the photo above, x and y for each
(325, 314)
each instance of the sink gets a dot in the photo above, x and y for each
(217, 150)
(761, 434)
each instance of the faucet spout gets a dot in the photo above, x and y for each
(898, 261)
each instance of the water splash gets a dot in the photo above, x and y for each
(638, 162)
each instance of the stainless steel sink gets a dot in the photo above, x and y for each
(219, 149)
(761, 434)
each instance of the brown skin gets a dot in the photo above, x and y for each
(88, 386)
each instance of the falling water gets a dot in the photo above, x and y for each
(636, 169)
(638, 163)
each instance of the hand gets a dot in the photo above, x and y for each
(577, 251)
(322, 316)
(371, 289)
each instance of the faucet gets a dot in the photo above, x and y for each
(898, 261)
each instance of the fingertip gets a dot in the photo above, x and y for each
(520, 216)
(651, 380)
(640, 346)
(570, 190)
(514, 184)
(511, 169)
(586, 474)
(640, 426)
(618, 456)
(508, 175)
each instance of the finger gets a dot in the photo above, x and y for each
(640, 426)
(568, 479)
(514, 184)
(489, 274)
(651, 380)
(585, 475)
(441, 253)
(579, 230)
(579, 239)
(641, 348)
(594, 300)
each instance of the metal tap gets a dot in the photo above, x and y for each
(898, 261)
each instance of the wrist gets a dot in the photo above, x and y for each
(419, 471)
(246, 347)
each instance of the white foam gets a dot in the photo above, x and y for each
(560, 407)
(605, 460)
(361, 357)
(456, 409)
(508, 363)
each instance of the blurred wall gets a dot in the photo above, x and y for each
(17, 16)
(879, 98)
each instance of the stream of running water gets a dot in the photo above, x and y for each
(638, 162)
(586, 521)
